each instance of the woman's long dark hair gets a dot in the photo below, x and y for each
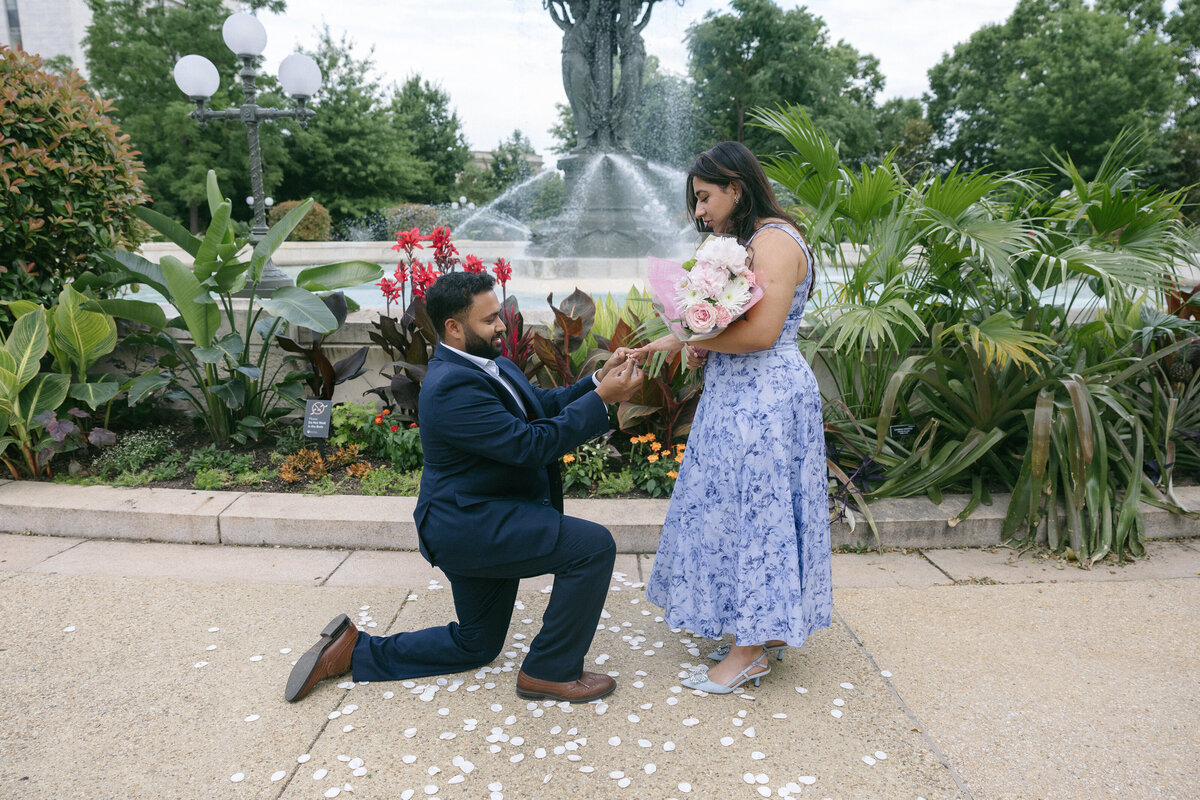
(732, 163)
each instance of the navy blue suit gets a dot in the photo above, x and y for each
(489, 513)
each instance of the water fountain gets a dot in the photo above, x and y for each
(617, 206)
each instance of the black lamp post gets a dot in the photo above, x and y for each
(298, 74)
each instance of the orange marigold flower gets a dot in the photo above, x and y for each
(649, 437)
(378, 420)
(655, 446)
(635, 440)
(652, 458)
(672, 474)
(568, 458)
(679, 459)
(386, 411)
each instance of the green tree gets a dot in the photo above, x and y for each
(760, 55)
(566, 138)
(509, 163)
(1055, 76)
(131, 48)
(904, 132)
(351, 157)
(422, 112)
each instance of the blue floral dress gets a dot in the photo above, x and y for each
(745, 545)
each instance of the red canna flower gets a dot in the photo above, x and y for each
(391, 290)
(423, 276)
(503, 271)
(473, 264)
(409, 241)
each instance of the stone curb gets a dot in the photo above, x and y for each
(385, 523)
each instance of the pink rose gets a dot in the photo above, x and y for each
(700, 318)
(723, 317)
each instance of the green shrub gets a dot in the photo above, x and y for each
(407, 216)
(211, 479)
(68, 179)
(325, 486)
(378, 433)
(210, 458)
(387, 481)
(615, 484)
(254, 477)
(314, 227)
(133, 452)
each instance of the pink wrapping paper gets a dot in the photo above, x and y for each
(661, 279)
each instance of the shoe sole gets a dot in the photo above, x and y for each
(302, 672)
(532, 695)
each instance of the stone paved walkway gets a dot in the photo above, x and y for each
(142, 670)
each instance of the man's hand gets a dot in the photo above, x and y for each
(621, 382)
(615, 360)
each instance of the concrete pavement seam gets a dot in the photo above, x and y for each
(908, 712)
(333, 571)
(937, 566)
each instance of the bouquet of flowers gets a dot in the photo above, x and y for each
(702, 296)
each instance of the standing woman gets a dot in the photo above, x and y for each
(745, 546)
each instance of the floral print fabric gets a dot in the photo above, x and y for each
(745, 546)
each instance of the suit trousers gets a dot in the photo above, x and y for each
(581, 562)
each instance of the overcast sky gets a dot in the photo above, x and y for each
(499, 60)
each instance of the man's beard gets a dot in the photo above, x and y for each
(476, 345)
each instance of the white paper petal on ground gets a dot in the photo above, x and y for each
(278, 776)
(213, 630)
(886, 674)
(685, 787)
(320, 774)
(801, 690)
(668, 746)
(837, 701)
(836, 712)
(726, 741)
(847, 685)
(614, 740)
(882, 756)
(757, 756)
(251, 718)
(303, 759)
(333, 791)
(237, 777)
(868, 760)
(690, 721)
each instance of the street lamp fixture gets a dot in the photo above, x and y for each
(298, 74)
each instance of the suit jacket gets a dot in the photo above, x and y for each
(491, 491)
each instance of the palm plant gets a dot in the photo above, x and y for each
(981, 313)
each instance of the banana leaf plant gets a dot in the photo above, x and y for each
(26, 392)
(562, 357)
(324, 375)
(215, 353)
(409, 342)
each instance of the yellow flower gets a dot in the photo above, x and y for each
(679, 458)
(649, 437)
(568, 458)
(672, 474)
(635, 440)
(656, 447)
(652, 458)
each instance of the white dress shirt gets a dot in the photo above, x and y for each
(489, 366)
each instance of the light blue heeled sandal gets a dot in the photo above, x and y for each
(722, 651)
(700, 680)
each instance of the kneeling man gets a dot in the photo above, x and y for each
(490, 512)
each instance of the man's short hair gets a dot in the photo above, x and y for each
(452, 294)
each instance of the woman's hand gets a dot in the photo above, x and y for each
(666, 344)
(696, 356)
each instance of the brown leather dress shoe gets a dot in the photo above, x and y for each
(328, 658)
(590, 686)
